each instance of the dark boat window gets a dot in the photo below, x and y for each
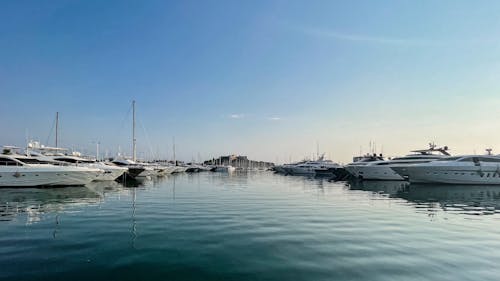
(449, 159)
(426, 157)
(32, 161)
(68, 160)
(8, 162)
(488, 159)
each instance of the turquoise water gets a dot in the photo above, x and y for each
(256, 226)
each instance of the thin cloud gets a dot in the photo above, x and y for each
(322, 33)
(236, 116)
(274, 118)
(387, 40)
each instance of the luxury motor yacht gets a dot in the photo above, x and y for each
(111, 172)
(56, 156)
(381, 169)
(179, 169)
(287, 168)
(313, 167)
(156, 170)
(24, 171)
(134, 170)
(358, 161)
(465, 169)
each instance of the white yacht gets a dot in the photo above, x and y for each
(56, 155)
(146, 171)
(23, 171)
(381, 169)
(465, 169)
(170, 169)
(312, 167)
(359, 161)
(111, 172)
(179, 169)
(287, 168)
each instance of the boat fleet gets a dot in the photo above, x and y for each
(40, 166)
(432, 165)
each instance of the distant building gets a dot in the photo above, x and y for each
(239, 161)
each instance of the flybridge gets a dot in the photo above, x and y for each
(9, 149)
(432, 148)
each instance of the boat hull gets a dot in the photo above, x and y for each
(110, 175)
(22, 176)
(450, 175)
(368, 172)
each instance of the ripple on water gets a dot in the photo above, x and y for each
(256, 226)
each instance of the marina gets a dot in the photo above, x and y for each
(119, 217)
(249, 140)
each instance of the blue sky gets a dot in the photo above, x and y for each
(267, 79)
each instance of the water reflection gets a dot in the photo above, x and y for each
(460, 199)
(34, 202)
(463, 199)
(391, 188)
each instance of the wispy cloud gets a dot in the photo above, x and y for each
(253, 117)
(333, 34)
(237, 116)
(389, 40)
(274, 118)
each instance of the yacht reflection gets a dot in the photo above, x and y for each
(392, 188)
(464, 199)
(461, 199)
(35, 202)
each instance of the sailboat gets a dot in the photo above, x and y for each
(148, 170)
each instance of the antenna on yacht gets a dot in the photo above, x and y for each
(134, 141)
(432, 146)
(489, 150)
(317, 148)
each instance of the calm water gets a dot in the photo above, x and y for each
(256, 226)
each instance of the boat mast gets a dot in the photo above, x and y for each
(57, 127)
(97, 152)
(134, 156)
(173, 148)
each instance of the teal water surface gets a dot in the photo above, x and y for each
(250, 226)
